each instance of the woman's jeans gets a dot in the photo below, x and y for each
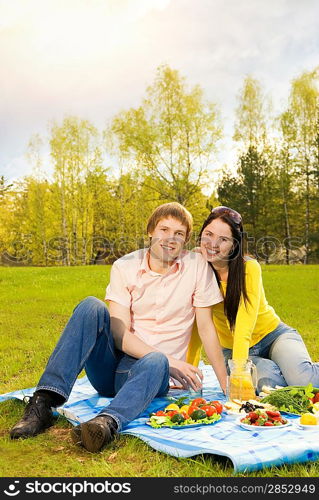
(281, 358)
(87, 342)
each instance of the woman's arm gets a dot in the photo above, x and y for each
(247, 311)
(209, 338)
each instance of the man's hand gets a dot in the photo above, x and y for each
(185, 373)
(126, 341)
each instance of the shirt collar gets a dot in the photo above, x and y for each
(176, 267)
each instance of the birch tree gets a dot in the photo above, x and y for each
(171, 137)
(303, 106)
(75, 152)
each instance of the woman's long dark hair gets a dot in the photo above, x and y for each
(236, 284)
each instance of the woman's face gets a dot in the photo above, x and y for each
(217, 242)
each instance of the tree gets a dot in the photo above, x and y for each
(171, 137)
(251, 190)
(250, 124)
(75, 152)
(6, 209)
(4, 187)
(303, 109)
(285, 176)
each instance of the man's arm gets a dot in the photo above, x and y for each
(123, 338)
(209, 338)
(132, 345)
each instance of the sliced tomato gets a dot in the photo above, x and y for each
(218, 406)
(268, 424)
(272, 414)
(160, 413)
(192, 408)
(185, 415)
(253, 416)
(198, 401)
(209, 410)
(171, 413)
(315, 399)
(275, 419)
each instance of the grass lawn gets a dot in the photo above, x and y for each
(35, 305)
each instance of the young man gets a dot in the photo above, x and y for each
(131, 351)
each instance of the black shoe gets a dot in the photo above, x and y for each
(37, 417)
(96, 433)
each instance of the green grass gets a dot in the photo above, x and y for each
(35, 305)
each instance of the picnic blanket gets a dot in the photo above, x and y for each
(248, 450)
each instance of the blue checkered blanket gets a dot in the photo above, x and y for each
(248, 450)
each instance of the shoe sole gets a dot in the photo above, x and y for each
(91, 435)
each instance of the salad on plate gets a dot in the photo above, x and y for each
(178, 414)
(263, 419)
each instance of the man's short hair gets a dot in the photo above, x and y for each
(175, 210)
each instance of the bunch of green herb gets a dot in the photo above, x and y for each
(293, 399)
(178, 401)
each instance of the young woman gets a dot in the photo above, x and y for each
(247, 325)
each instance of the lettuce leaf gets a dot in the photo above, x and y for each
(161, 421)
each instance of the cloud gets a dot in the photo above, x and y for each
(94, 58)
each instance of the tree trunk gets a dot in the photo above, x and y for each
(307, 215)
(64, 222)
(287, 233)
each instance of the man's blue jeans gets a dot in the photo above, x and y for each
(87, 342)
(281, 358)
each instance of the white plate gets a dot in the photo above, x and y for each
(260, 428)
(233, 413)
(307, 427)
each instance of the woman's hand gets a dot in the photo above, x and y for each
(196, 249)
(185, 373)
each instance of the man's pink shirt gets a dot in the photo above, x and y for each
(163, 306)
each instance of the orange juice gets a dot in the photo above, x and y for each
(241, 384)
(241, 387)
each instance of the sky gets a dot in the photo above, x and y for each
(95, 58)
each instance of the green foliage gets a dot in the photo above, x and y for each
(170, 137)
(292, 398)
(4, 187)
(88, 213)
(276, 184)
(303, 122)
(251, 193)
(250, 126)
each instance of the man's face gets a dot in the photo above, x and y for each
(168, 239)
